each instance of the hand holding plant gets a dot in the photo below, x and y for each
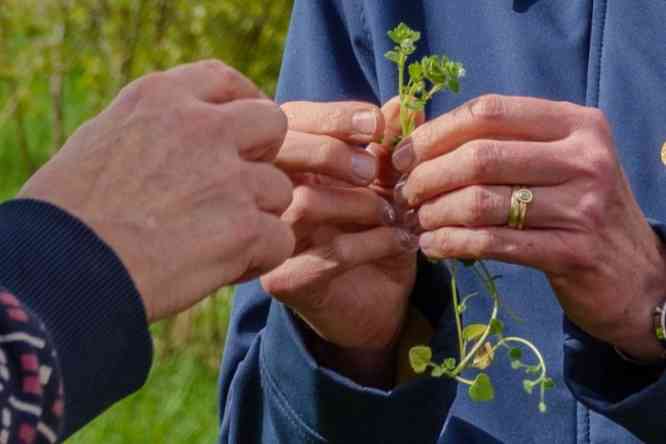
(477, 343)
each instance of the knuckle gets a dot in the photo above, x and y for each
(482, 203)
(328, 153)
(300, 209)
(578, 257)
(484, 245)
(224, 74)
(591, 210)
(487, 107)
(342, 251)
(150, 85)
(596, 119)
(486, 157)
(250, 229)
(213, 65)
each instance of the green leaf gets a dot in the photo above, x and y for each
(548, 383)
(515, 354)
(450, 363)
(528, 386)
(481, 389)
(454, 85)
(473, 331)
(496, 327)
(415, 71)
(414, 104)
(403, 34)
(393, 56)
(419, 357)
(516, 365)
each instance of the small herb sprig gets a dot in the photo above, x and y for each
(478, 344)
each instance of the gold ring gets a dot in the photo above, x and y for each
(521, 197)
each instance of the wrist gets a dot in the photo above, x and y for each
(641, 342)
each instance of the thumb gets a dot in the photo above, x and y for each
(387, 175)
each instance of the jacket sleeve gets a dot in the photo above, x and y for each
(78, 301)
(630, 394)
(272, 389)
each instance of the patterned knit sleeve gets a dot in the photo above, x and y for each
(31, 393)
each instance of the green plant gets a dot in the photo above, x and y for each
(478, 344)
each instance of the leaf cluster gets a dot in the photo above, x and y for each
(427, 77)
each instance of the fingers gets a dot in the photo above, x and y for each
(314, 206)
(542, 249)
(487, 162)
(256, 127)
(325, 262)
(272, 188)
(308, 153)
(274, 245)
(354, 122)
(214, 82)
(486, 206)
(490, 117)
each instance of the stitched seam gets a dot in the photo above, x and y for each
(368, 46)
(292, 416)
(588, 427)
(602, 34)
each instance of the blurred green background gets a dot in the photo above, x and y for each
(61, 61)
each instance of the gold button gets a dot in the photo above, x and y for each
(663, 153)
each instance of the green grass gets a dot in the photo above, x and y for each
(177, 405)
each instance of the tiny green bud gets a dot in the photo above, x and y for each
(528, 386)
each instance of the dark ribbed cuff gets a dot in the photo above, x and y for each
(86, 299)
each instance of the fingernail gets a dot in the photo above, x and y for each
(410, 222)
(399, 199)
(389, 215)
(404, 156)
(408, 241)
(364, 167)
(365, 122)
(427, 241)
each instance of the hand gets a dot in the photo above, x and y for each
(585, 229)
(170, 177)
(352, 271)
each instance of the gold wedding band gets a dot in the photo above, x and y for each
(521, 197)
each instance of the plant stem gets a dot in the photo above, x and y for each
(464, 380)
(456, 305)
(528, 344)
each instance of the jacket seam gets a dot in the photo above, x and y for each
(602, 34)
(293, 417)
(366, 35)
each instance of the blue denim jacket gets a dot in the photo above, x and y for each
(605, 53)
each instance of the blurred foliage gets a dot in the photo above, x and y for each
(61, 62)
